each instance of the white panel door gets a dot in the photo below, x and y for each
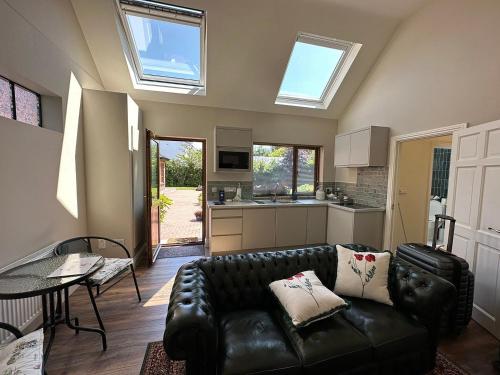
(474, 201)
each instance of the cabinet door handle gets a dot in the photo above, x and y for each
(494, 230)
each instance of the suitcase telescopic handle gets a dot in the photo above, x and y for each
(451, 231)
(446, 217)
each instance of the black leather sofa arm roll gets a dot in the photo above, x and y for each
(423, 295)
(191, 328)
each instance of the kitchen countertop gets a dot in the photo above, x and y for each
(299, 203)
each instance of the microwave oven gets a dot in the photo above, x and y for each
(233, 159)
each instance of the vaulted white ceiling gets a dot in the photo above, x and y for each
(249, 43)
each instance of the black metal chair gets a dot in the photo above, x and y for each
(113, 267)
(35, 361)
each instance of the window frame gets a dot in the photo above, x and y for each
(295, 157)
(12, 85)
(350, 49)
(168, 13)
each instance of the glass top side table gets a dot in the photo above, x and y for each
(31, 280)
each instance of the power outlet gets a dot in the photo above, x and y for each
(214, 189)
(101, 244)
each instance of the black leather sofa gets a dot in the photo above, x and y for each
(222, 319)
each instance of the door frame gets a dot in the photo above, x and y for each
(394, 150)
(203, 178)
(148, 198)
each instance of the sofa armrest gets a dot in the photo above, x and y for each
(427, 297)
(191, 330)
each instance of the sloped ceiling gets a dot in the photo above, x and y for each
(249, 43)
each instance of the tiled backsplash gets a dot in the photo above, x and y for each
(370, 189)
(371, 186)
(246, 189)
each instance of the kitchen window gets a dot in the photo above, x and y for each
(19, 103)
(285, 169)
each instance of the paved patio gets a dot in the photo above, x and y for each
(180, 224)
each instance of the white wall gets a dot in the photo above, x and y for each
(440, 68)
(199, 122)
(42, 192)
(114, 166)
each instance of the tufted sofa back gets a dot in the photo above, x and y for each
(241, 281)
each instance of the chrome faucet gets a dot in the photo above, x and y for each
(274, 198)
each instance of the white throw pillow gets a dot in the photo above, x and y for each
(305, 299)
(363, 275)
(23, 356)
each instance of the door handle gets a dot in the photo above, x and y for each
(494, 230)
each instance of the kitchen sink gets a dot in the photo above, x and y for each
(263, 201)
(268, 201)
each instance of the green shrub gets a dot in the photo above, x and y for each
(163, 203)
(305, 188)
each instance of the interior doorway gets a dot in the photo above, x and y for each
(421, 180)
(179, 170)
(416, 189)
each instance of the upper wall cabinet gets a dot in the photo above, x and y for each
(233, 137)
(365, 147)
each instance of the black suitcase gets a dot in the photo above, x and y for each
(448, 266)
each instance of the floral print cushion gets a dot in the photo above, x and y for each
(23, 356)
(111, 268)
(305, 299)
(363, 275)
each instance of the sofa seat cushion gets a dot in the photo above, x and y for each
(390, 332)
(329, 346)
(252, 342)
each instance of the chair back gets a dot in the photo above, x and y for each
(73, 246)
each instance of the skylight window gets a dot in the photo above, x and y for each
(316, 68)
(166, 44)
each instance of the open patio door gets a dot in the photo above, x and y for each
(152, 193)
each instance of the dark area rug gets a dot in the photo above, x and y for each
(181, 251)
(156, 362)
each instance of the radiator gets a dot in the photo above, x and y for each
(21, 313)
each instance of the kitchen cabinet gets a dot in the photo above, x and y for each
(291, 226)
(225, 230)
(233, 137)
(342, 149)
(365, 147)
(225, 243)
(226, 226)
(259, 228)
(364, 228)
(316, 225)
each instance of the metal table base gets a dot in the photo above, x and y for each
(53, 316)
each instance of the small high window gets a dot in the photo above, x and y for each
(166, 44)
(316, 68)
(19, 103)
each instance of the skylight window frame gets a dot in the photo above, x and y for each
(168, 13)
(350, 51)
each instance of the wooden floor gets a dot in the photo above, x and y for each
(130, 326)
